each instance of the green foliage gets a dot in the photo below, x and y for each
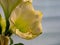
(19, 44)
(0, 26)
(11, 41)
(0, 29)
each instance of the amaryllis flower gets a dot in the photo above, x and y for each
(26, 20)
(21, 19)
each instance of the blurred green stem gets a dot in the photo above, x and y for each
(7, 27)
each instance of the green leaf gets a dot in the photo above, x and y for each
(9, 5)
(0, 25)
(19, 44)
(0, 18)
(11, 41)
(0, 29)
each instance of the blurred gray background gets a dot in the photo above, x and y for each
(50, 23)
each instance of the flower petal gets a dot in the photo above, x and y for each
(9, 5)
(27, 21)
(2, 23)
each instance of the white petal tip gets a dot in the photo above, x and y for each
(27, 0)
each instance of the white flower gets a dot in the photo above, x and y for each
(27, 21)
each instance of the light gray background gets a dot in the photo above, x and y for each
(50, 23)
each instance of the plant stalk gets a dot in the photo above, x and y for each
(4, 40)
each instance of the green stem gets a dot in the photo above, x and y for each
(0, 29)
(0, 25)
(7, 26)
